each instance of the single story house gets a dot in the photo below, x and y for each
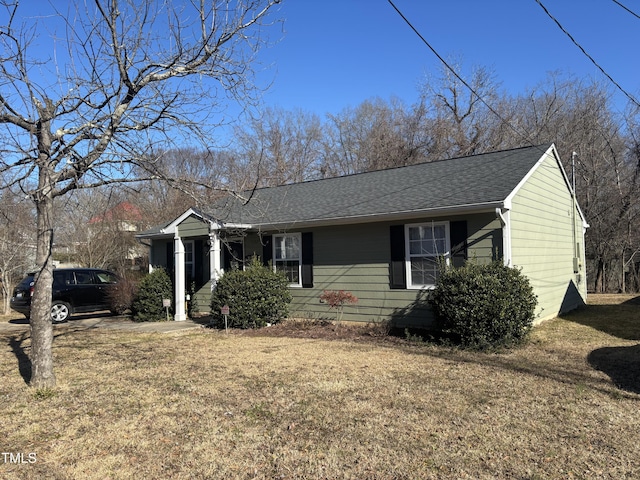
(381, 234)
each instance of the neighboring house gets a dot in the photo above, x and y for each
(111, 237)
(124, 217)
(381, 234)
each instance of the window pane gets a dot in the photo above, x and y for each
(83, 278)
(424, 271)
(290, 268)
(428, 240)
(293, 247)
(287, 247)
(415, 233)
(105, 277)
(279, 244)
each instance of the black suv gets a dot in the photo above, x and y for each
(75, 290)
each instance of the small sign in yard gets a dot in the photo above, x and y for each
(166, 303)
(225, 311)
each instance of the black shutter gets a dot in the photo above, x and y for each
(397, 269)
(267, 249)
(459, 245)
(307, 260)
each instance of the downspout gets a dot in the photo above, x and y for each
(504, 214)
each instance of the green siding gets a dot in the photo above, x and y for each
(252, 246)
(203, 297)
(484, 232)
(356, 258)
(192, 226)
(543, 243)
(544, 226)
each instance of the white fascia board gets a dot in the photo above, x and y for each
(553, 153)
(225, 226)
(171, 228)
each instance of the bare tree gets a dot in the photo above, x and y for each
(17, 242)
(98, 228)
(376, 134)
(278, 147)
(578, 117)
(84, 94)
(467, 122)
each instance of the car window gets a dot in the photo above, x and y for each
(26, 283)
(84, 278)
(106, 277)
(61, 278)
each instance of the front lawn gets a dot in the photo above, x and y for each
(203, 404)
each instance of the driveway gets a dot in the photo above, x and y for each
(105, 321)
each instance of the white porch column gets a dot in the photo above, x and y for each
(215, 261)
(179, 280)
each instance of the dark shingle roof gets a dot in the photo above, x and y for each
(476, 181)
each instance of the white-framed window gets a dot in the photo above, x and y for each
(427, 244)
(287, 257)
(189, 263)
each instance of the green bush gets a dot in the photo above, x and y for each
(152, 289)
(484, 306)
(256, 296)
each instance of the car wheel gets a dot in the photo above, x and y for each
(60, 312)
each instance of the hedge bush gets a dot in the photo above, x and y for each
(256, 296)
(484, 306)
(152, 289)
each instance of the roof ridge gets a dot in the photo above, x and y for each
(542, 147)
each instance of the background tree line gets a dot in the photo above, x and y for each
(447, 120)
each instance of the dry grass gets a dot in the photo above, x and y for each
(206, 405)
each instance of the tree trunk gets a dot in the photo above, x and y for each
(624, 277)
(6, 294)
(599, 283)
(6, 300)
(41, 327)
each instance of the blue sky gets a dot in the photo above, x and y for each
(336, 53)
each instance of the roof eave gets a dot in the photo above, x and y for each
(485, 207)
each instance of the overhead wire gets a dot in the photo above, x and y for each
(626, 8)
(460, 78)
(627, 94)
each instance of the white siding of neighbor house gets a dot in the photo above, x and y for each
(544, 218)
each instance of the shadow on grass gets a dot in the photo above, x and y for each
(618, 320)
(24, 362)
(621, 364)
(621, 320)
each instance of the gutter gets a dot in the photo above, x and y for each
(393, 216)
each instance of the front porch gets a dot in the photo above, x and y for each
(195, 251)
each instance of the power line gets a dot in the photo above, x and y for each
(459, 77)
(629, 96)
(626, 8)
